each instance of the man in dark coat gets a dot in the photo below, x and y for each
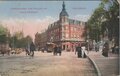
(59, 50)
(32, 49)
(55, 50)
(79, 52)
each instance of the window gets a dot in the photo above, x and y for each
(75, 29)
(67, 35)
(64, 19)
(79, 22)
(63, 28)
(73, 21)
(66, 27)
(74, 36)
(63, 34)
(71, 29)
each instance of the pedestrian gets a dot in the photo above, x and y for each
(59, 50)
(84, 52)
(117, 49)
(55, 50)
(78, 50)
(105, 49)
(96, 47)
(27, 51)
(32, 49)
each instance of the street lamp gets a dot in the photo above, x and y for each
(51, 39)
(87, 40)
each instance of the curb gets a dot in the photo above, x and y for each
(95, 66)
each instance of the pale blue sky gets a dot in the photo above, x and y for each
(11, 16)
(46, 8)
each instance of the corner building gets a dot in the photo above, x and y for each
(66, 32)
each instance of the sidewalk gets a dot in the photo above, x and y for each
(108, 66)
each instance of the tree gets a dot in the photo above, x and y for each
(24, 42)
(112, 21)
(19, 41)
(105, 17)
(3, 34)
(19, 34)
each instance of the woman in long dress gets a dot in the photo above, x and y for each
(84, 52)
(105, 49)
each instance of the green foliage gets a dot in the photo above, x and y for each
(105, 16)
(3, 30)
(16, 41)
(19, 41)
(3, 38)
(3, 34)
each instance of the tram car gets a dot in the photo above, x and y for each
(50, 47)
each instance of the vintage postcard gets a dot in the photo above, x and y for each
(59, 38)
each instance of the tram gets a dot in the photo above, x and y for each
(50, 47)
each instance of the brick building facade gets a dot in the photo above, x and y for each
(66, 32)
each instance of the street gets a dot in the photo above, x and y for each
(108, 66)
(45, 64)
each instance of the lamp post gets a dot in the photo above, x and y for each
(87, 40)
(51, 39)
(88, 45)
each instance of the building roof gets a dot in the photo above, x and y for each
(72, 21)
(63, 12)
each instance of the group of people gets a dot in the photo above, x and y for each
(30, 51)
(81, 51)
(57, 49)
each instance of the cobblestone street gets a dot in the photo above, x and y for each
(45, 64)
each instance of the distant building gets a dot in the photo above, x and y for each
(41, 40)
(66, 32)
